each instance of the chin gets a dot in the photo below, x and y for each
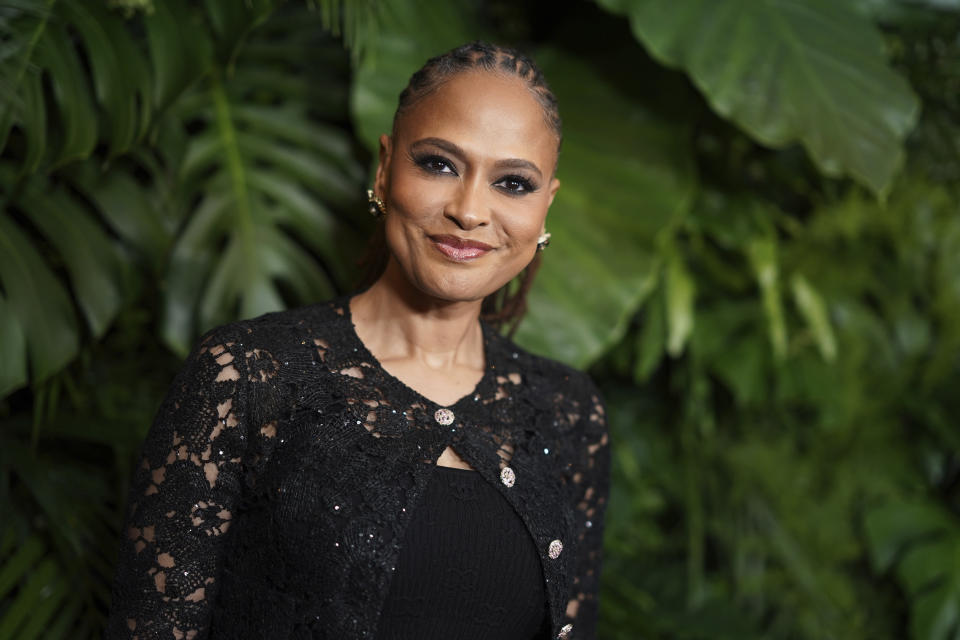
(459, 288)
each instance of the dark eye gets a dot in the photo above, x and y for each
(436, 164)
(515, 185)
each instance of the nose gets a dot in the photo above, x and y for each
(466, 207)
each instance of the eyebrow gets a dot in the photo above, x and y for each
(454, 149)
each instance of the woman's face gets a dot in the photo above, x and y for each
(467, 179)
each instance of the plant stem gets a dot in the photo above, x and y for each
(238, 175)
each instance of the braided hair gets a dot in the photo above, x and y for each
(481, 56)
(505, 307)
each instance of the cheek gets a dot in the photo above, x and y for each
(523, 224)
(414, 198)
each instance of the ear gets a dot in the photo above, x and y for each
(554, 185)
(383, 165)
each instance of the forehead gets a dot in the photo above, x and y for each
(487, 111)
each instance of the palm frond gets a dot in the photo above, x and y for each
(262, 183)
(357, 22)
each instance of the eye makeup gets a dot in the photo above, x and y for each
(511, 184)
(515, 185)
(433, 163)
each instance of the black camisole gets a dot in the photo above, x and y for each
(468, 568)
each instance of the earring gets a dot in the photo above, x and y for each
(543, 241)
(375, 205)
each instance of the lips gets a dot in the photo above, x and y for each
(460, 249)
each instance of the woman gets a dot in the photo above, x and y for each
(387, 465)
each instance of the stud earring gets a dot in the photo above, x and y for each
(543, 241)
(375, 205)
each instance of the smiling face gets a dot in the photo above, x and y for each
(467, 178)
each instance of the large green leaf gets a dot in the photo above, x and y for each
(355, 21)
(410, 32)
(38, 300)
(92, 261)
(79, 79)
(922, 540)
(21, 27)
(13, 346)
(61, 559)
(71, 93)
(232, 22)
(118, 68)
(98, 77)
(42, 586)
(259, 183)
(808, 71)
(180, 50)
(625, 181)
(134, 211)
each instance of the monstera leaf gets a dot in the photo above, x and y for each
(54, 578)
(13, 345)
(55, 127)
(410, 32)
(625, 180)
(36, 299)
(808, 71)
(71, 77)
(259, 181)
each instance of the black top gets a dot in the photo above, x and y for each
(279, 477)
(467, 569)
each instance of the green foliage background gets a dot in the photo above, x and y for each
(756, 252)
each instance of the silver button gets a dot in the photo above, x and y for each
(565, 631)
(554, 549)
(444, 416)
(507, 476)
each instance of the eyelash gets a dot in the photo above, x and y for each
(425, 161)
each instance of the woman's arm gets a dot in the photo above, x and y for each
(591, 478)
(182, 500)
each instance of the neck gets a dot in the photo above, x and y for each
(398, 322)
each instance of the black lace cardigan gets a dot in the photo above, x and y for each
(281, 470)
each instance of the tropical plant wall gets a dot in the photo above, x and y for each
(756, 254)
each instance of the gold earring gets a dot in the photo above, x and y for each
(543, 241)
(375, 205)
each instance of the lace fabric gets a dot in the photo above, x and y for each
(280, 473)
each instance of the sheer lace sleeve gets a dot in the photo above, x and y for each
(182, 500)
(591, 478)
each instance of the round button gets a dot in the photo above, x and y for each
(565, 631)
(444, 416)
(554, 549)
(507, 476)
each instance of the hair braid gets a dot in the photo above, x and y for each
(486, 57)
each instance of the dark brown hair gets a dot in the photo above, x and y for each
(485, 57)
(504, 308)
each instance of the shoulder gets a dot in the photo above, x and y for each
(545, 377)
(273, 356)
(275, 349)
(566, 403)
(277, 333)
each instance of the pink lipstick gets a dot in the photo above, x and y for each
(460, 249)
